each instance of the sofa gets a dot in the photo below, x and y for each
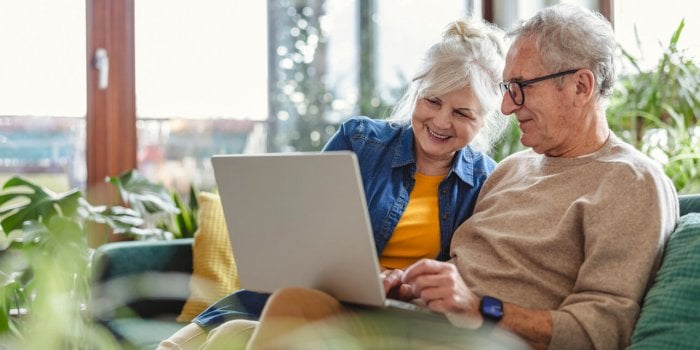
(141, 287)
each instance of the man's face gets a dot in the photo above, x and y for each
(546, 118)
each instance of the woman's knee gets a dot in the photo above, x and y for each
(302, 302)
(230, 335)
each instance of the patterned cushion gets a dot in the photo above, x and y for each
(670, 317)
(214, 272)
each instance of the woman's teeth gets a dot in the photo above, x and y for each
(437, 135)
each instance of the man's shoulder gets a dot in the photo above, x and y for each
(625, 157)
(519, 157)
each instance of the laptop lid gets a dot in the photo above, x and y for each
(300, 219)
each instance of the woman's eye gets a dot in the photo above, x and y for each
(433, 101)
(464, 115)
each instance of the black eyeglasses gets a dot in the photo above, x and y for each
(515, 88)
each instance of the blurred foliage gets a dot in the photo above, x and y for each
(304, 108)
(299, 98)
(657, 111)
(509, 143)
(45, 258)
(164, 213)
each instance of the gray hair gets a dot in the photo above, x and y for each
(471, 53)
(569, 37)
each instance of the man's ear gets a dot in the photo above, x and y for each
(585, 85)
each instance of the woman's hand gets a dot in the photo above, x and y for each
(440, 286)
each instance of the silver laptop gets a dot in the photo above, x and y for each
(300, 219)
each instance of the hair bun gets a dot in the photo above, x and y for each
(468, 29)
(462, 29)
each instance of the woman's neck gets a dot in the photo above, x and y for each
(433, 167)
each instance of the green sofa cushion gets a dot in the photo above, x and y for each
(670, 317)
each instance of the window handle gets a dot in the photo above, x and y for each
(102, 65)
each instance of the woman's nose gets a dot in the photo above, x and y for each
(442, 118)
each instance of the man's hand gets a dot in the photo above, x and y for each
(393, 287)
(442, 288)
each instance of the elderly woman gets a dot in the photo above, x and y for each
(422, 169)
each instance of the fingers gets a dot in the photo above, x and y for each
(439, 285)
(391, 279)
(405, 292)
(426, 267)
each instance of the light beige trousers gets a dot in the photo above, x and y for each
(230, 335)
(299, 318)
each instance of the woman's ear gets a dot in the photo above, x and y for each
(585, 85)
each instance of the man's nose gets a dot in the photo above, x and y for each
(508, 106)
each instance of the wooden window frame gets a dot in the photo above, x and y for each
(111, 113)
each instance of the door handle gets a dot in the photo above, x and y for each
(102, 65)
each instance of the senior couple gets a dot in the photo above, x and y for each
(556, 245)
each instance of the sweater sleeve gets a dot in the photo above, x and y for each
(626, 224)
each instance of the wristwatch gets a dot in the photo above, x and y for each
(491, 308)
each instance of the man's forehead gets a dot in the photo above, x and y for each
(522, 60)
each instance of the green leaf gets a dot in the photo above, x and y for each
(142, 194)
(676, 34)
(186, 220)
(35, 203)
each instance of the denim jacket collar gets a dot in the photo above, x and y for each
(462, 166)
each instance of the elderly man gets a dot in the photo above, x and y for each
(565, 236)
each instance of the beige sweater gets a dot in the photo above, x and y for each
(580, 237)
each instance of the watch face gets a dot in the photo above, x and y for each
(491, 308)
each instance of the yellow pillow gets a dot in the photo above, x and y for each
(214, 272)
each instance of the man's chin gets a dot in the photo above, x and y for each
(526, 141)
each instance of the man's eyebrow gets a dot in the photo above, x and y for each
(514, 79)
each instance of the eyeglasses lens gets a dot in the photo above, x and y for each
(516, 93)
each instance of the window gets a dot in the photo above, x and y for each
(631, 16)
(42, 84)
(201, 86)
(221, 76)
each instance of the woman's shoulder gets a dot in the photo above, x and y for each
(478, 159)
(362, 126)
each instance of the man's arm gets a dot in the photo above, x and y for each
(440, 286)
(534, 326)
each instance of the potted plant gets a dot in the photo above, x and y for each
(45, 258)
(657, 111)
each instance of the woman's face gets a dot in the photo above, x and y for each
(444, 124)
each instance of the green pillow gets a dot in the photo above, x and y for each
(670, 317)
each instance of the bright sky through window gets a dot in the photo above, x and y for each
(208, 58)
(203, 59)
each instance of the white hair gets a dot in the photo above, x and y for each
(471, 53)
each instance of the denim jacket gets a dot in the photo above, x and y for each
(387, 161)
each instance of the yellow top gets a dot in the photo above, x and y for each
(417, 234)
